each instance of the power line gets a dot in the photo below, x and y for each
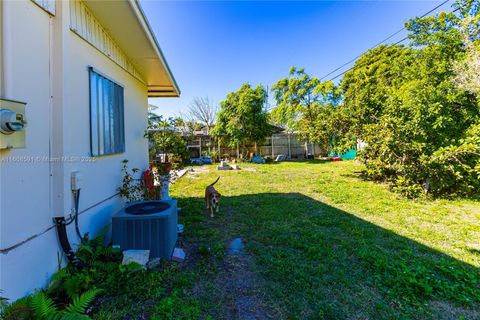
(342, 73)
(381, 42)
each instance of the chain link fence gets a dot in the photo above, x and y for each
(277, 144)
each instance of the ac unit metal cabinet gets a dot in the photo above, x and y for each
(147, 225)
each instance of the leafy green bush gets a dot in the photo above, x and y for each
(72, 289)
(215, 155)
(416, 115)
(165, 139)
(420, 127)
(131, 188)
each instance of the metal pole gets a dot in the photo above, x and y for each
(289, 150)
(272, 148)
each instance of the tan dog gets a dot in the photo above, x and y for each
(212, 198)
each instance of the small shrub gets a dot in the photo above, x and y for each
(131, 189)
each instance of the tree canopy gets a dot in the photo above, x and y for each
(416, 107)
(202, 111)
(242, 118)
(302, 105)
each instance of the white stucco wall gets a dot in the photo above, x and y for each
(102, 177)
(24, 187)
(45, 65)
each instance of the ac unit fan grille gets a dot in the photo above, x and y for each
(147, 208)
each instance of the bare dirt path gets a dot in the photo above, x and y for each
(241, 288)
(234, 290)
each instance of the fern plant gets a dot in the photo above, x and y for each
(40, 306)
(45, 309)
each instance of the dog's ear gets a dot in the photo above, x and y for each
(219, 194)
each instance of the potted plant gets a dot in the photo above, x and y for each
(164, 168)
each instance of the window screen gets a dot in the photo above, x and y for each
(107, 133)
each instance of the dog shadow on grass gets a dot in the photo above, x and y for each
(318, 261)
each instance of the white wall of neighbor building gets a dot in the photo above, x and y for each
(46, 65)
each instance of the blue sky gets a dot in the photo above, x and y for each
(214, 47)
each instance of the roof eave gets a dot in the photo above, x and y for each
(174, 90)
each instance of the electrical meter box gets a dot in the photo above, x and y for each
(12, 124)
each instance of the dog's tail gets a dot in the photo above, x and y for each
(215, 181)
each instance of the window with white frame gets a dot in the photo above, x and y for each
(107, 130)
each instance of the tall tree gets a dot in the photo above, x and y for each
(242, 118)
(418, 125)
(202, 110)
(302, 103)
(467, 69)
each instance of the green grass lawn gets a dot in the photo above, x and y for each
(323, 243)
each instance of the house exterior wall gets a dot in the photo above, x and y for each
(45, 64)
(24, 206)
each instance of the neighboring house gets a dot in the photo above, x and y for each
(85, 70)
(199, 142)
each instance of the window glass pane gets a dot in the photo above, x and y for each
(116, 118)
(106, 128)
(99, 120)
(107, 134)
(122, 123)
(111, 114)
(93, 114)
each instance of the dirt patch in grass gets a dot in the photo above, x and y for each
(229, 287)
(234, 291)
(444, 310)
(202, 169)
(241, 290)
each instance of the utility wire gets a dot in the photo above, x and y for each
(398, 42)
(342, 73)
(381, 42)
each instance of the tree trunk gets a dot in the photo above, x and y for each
(426, 188)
